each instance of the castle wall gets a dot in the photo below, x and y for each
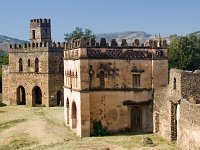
(189, 126)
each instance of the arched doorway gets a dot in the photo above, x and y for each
(21, 96)
(74, 115)
(37, 95)
(59, 95)
(67, 107)
(136, 119)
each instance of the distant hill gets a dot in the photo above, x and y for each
(195, 33)
(5, 41)
(130, 36)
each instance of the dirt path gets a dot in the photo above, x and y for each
(41, 128)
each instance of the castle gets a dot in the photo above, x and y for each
(34, 75)
(124, 87)
(112, 83)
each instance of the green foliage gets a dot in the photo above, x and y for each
(79, 33)
(3, 61)
(184, 52)
(99, 130)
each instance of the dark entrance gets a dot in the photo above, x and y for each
(136, 119)
(21, 96)
(74, 115)
(37, 95)
(59, 98)
(173, 121)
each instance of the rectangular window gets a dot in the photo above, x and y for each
(33, 34)
(136, 80)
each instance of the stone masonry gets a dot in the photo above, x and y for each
(35, 72)
(112, 83)
(176, 109)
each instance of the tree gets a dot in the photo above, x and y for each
(184, 52)
(79, 33)
(3, 61)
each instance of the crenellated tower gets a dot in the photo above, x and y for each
(40, 30)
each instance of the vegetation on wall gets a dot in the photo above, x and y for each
(184, 52)
(79, 33)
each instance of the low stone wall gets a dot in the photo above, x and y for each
(189, 126)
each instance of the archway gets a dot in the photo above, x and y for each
(136, 119)
(37, 95)
(59, 95)
(67, 107)
(74, 115)
(21, 96)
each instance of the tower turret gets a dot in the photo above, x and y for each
(40, 30)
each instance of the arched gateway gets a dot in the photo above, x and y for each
(21, 96)
(37, 95)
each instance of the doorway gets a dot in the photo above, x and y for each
(136, 119)
(21, 96)
(37, 95)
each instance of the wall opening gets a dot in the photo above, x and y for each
(136, 119)
(173, 121)
(174, 84)
(74, 115)
(67, 106)
(33, 34)
(20, 65)
(21, 96)
(36, 65)
(37, 95)
(59, 95)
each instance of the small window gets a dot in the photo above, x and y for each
(136, 80)
(36, 65)
(29, 63)
(101, 79)
(33, 34)
(174, 84)
(20, 65)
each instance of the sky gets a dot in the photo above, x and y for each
(101, 16)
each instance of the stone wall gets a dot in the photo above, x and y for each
(189, 125)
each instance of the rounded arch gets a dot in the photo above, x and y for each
(67, 107)
(21, 96)
(36, 95)
(36, 65)
(20, 64)
(74, 115)
(59, 98)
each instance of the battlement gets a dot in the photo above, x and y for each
(40, 21)
(35, 45)
(81, 43)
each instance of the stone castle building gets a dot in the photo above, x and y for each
(112, 84)
(35, 72)
(177, 109)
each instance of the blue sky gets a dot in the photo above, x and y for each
(102, 16)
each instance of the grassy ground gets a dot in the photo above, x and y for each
(42, 128)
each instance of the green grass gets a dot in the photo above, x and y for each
(11, 123)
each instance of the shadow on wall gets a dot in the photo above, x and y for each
(0, 86)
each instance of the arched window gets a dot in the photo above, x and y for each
(36, 65)
(74, 115)
(60, 67)
(20, 65)
(29, 63)
(174, 83)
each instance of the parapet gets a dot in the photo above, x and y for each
(35, 45)
(40, 22)
(81, 43)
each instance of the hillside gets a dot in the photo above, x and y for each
(5, 41)
(197, 33)
(130, 36)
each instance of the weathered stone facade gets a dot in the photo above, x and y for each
(176, 109)
(35, 72)
(113, 84)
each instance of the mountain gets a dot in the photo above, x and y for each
(130, 36)
(5, 41)
(197, 33)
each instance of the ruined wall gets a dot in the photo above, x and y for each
(189, 125)
(161, 113)
(5, 84)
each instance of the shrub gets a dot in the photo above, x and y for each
(98, 128)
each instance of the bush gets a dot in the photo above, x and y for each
(2, 104)
(98, 128)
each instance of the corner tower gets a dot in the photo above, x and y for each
(40, 30)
